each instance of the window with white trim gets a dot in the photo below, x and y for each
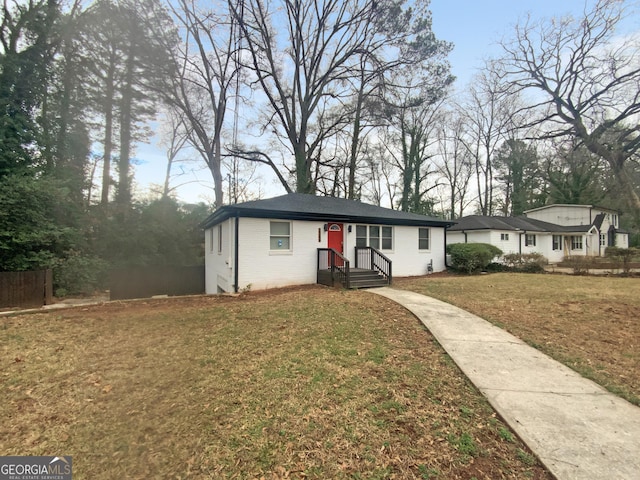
(375, 236)
(603, 240)
(361, 235)
(576, 242)
(387, 238)
(424, 235)
(220, 238)
(530, 240)
(280, 236)
(504, 237)
(557, 242)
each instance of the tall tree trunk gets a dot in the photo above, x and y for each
(123, 198)
(108, 135)
(304, 181)
(216, 172)
(355, 139)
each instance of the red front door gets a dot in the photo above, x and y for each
(335, 239)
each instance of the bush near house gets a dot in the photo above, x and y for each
(472, 257)
(622, 256)
(578, 263)
(525, 262)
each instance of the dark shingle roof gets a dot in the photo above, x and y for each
(481, 222)
(299, 206)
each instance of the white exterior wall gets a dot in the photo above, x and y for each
(507, 246)
(455, 237)
(569, 215)
(591, 244)
(486, 236)
(622, 240)
(219, 264)
(515, 244)
(475, 236)
(407, 259)
(565, 215)
(260, 268)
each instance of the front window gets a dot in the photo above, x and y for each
(361, 235)
(557, 242)
(387, 238)
(375, 236)
(576, 243)
(280, 236)
(504, 237)
(603, 239)
(530, 240)
(423, 239)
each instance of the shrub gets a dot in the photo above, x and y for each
(496, 267)
(579, 264)
(525, 262)
(79, 274)
(472, 257)
(622, 256)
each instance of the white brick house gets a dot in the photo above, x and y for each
(277, 242)
(555, 231)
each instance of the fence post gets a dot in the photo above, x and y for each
(48, 286)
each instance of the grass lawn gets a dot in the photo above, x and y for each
(298, 383)
(591, 324)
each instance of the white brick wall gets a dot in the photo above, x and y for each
(259, 267)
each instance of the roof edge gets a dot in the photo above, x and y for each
(228, 211)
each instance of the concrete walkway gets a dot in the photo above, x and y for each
(576, 428)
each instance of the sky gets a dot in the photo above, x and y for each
(474, 27)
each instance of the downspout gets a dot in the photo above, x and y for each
(520, 244)
(236, 256)
(445, 247)
(465, 236)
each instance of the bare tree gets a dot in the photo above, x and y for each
(588, 80)
(415, 123)
(175, 136)
(309, 57)
(300, 63)
(383, 176)
(416, 54)
(488, 113)
(456, 165)
(206, 76)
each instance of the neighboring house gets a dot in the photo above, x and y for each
(603, 222)
(555, 231)
(286, 240)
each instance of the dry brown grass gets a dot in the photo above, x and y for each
(591, 324)
(297, 383)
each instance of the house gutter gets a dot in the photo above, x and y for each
(236, 256)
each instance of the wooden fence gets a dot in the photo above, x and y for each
(144, 282)
(26, 289)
